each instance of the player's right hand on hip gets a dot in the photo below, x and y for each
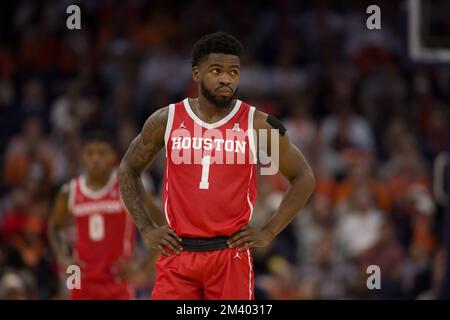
(164, 239)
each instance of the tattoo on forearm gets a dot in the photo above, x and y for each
(132, 193)
(139, 155)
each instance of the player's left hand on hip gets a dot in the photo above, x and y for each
(248, 237)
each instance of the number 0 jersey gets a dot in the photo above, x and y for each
(104, 230)
(210, 174)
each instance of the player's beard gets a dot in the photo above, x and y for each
(222, 102)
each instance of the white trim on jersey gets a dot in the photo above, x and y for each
(249, 276)
(251, 139)
(169, 125)
(248, 194)
(166, 213)
(215, 124)
(167, 196)
(95, 194)
(251, 134)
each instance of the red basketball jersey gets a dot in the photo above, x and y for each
(104, 230)
(210, 175)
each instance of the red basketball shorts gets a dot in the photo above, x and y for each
(210, 275)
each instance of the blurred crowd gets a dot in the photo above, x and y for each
(368, 119)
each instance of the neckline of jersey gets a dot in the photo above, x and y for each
(216, 124)
(100, 192)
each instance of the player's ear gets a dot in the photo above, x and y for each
(195, 74)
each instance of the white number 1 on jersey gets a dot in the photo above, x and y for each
(206, 162)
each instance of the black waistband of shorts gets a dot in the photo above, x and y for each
(205, 244)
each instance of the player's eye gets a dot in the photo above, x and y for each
(234, 72)
(215, 71)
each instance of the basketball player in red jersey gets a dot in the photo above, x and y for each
(210, 181)
(104, 230)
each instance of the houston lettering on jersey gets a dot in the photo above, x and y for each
(224, 147)
(104, 206)
(208, 144)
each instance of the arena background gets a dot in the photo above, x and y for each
(367, 107)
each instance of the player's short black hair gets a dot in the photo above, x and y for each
(99, 136)
(218, 42)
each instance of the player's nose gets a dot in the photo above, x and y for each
(225, 79)
(96, 160)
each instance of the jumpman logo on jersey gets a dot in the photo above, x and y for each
(182, 126)
(237, 256)
(236, 127)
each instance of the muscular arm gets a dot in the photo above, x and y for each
(138, 157)
(58, 220)
(294, 167)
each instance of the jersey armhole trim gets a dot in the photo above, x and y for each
(169, 125)
(252, 135)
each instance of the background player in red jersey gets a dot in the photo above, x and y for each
(208, 204)
(104, 232)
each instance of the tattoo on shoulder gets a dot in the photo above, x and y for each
(154, 127)
(150, 141)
